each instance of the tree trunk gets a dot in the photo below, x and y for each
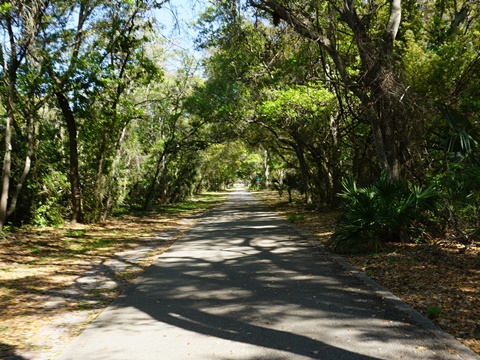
(110, 201)
(10, 78)
(7, 163)
(100, 180)
(266, 168)
(151, 189)
(300, 152)
(379, 89)
(77, 215)
(27, 166)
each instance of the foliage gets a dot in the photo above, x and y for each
(48, 207)
(273, 103)
(457, 173)
(295, 218)
(297, 104)
(433, 312)
(459, 189)
(223, 164)
(380, 212)
(461, 138)
(289, 181)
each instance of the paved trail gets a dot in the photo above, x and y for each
(243, 284)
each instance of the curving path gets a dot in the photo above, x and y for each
(245, 284)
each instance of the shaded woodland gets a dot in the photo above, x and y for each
(371, 106)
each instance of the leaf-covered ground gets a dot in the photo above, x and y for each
(54, 281)
(435, 278)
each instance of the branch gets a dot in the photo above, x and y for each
(459, 17)
(302, 29)
(394, 21)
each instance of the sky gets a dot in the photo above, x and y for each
(176, 18)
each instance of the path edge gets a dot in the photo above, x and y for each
(463, 351)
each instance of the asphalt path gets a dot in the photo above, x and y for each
(245, 284)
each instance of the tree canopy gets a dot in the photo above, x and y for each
(292, 95)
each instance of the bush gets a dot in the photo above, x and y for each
(51, 200)
(459, 189)
(383, 211)
(457, 174)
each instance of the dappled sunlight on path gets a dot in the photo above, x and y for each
(242, 284)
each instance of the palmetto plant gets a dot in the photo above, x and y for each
(383, 211)
(458, 181)
(462, 137)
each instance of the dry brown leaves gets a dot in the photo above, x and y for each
(436, 279)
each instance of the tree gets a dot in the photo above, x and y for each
(124, 69)
(296, 117)
(102, 53)
(20, 24)
(373, 78)
(62, 60)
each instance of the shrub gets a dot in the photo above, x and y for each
(295, 217)
(459, 189)
(433, 312)
(50, 200)
(381, 212)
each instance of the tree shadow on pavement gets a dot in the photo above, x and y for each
(245, 277)
(7, 352)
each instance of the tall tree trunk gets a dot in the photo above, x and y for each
(110, 200)
(100, 179)
(266, 168)
(77, 215)
(151, 190)
(27, 166)
(10, 78)
(300, 152)
(7, 163)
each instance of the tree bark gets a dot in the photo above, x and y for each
(7, 163)
(77, 215)
(266, 168)
(10, 78)
(159, 165)
(300, 152)
(26, 168)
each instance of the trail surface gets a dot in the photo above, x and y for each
(244, 284)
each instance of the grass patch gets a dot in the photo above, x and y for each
(93, 244)
(433, 312)
(295, 217)
(34, 250)
(75, 233)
